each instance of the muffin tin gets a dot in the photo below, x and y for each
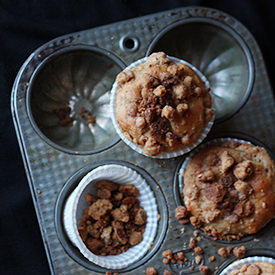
(54, 169)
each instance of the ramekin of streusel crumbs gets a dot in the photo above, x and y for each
(111, 216)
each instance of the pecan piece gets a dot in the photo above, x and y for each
(243, 170)
(135, 238)
(99, 208)
(105, 184)
(227, 161)
(140, 217)
(214, 192)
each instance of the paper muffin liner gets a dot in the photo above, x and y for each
(202, 146)
(164, 155)
(249, 260)
(76, 203)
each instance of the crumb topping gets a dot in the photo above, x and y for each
(113, 221)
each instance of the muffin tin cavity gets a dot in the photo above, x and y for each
(71, 184)
(68, 99)
(218, 52)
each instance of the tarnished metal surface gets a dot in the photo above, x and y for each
(48, 169)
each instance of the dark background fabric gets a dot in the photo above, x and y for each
(26, 25)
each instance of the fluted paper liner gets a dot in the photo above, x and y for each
(76, 203)
(164, 155)
(249, 260)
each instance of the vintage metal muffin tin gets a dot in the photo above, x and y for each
(231, 59)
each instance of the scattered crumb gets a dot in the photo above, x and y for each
(204, 270)
(150, 246)
(151, 271)
(64, 117)
(211, 259)
(199, 239)
(166, 272)
(223, 252)
(86, 114)
(27, 84)
(192, 242)
(166, 261)
(239, 252)
(196, 233)
(228, 249)
(198, 250)
(198, 259)
(90, 119)
(181, 214)
(182, 230)
(170, 257)
(180, 256)
(38, 191)
(159, 217)
(168, 254)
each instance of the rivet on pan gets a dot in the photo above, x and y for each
(129, 43)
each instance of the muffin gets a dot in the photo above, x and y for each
(162, 105)
(229, 189)
(260, 268)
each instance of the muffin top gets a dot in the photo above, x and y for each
(260, 268)
(161, 105)
(229, 189)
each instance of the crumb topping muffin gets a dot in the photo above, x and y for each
(258, 268)
(161, 105)
(229, 189)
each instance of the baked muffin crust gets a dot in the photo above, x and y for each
(161, 105)
(229, 189)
